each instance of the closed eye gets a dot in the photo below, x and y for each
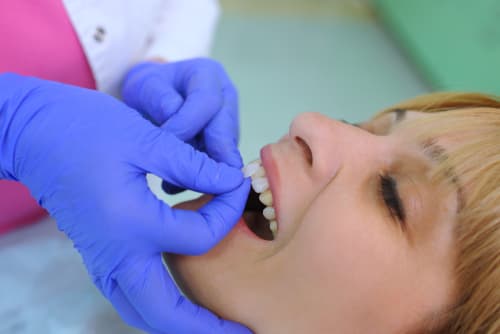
(390, 196)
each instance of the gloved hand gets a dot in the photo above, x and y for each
(84, 156)
(197, 92)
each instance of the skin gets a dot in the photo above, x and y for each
(341, 263)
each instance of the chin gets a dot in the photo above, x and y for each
(214, 279)
(187, 270)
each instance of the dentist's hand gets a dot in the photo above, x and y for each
(84, 156)
(197, 92)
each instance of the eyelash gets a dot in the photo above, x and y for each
(389, 194)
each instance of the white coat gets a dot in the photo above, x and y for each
(116, 34)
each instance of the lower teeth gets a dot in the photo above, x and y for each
(273, 226)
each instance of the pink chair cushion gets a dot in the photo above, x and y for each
(17, 207)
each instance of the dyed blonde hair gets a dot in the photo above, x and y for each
(472, 121)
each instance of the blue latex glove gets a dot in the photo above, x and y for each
(197, 92)
(84, 156)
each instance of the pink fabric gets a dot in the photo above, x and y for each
(37, 39)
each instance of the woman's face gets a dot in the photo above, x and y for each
(364, 242)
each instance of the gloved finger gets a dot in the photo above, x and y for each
(203, 94)
(152, 97)
(128, 313)
(198, 144)
(178, 163)
(177, 231)
(196, 232)
(222, 133)
(161, 305)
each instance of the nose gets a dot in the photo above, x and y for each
(331, 144)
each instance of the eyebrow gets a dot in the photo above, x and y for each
(437, 154)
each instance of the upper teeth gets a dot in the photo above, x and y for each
(260, 185)
(252, 168)
(266, 198)
(269, 213)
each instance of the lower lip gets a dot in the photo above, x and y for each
(242, 227)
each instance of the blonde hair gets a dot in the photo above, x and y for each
(473, 119)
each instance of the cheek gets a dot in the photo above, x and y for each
(293, 203)
(343, 243)
(347, 256)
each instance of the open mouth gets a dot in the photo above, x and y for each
(254, 218)
(259, 214)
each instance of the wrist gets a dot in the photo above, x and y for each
(10, 99)
(22, 103)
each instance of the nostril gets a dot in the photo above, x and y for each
(305, 148)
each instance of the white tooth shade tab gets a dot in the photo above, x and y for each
(266, 198)
(269, 213)
(259, 172)
(260, 184)
(251, 168)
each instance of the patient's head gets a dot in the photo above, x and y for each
(392, 226)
